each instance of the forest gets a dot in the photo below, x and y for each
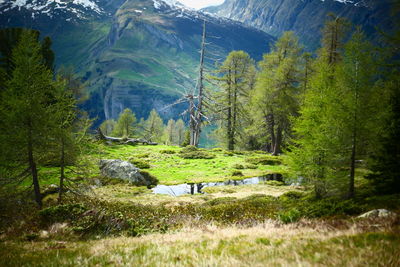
(300, 165)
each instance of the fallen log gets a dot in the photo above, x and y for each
(123, 141)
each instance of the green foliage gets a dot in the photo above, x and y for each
(289, 216)
(275, 98)
(62, 213)
(275, 183)
(237, 173)
(125, 124)
(264, 160)
(168, 151)
(141, 164)
(235, 78)
(153, 127)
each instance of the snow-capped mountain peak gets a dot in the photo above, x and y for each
(71, 8)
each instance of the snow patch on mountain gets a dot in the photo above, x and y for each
(51, 7)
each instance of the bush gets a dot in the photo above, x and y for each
(142, 156)
(264, 160)
(250, 166)
(141, 164)
(238, 166)
(275, 183)
(292, 195)
(237, 173)
(192, 152)
(289, 216)
(217, 149)
(62, 213)
(168, 151)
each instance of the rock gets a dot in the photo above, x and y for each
(123, 170)
(378, 213)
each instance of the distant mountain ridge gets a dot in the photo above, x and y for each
(305, 17)
(138, 54)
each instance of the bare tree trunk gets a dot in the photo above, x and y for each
(199, 115)
(277, 147)
(271, 125)
(32, 165)
(62, 172)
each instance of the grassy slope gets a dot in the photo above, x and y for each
(171, 168)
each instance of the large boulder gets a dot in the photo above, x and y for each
(378, 213)
(118, 169)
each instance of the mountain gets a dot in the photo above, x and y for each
(140, 54)
(305, 17)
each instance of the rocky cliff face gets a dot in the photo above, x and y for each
(138, 54)
(304, 17)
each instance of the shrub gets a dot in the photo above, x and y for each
(141, 164)
(192, 152)
(142, 156)
(289, 216)
(264, 160)
(238, 166)
(250, 166)
(292, 195)
(62, 213)
(237, 173)
(275, 183)
(168, 151)
(217, 149)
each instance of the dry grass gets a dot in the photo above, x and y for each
(306, 243)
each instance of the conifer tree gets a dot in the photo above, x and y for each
(27, 109)
(276, 95)
(125, 124)
(234, 78)
(153, 127)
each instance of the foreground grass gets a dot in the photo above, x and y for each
(317, 243)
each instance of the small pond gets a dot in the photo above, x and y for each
(190, 188)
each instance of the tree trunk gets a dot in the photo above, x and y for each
(352, 167)
(271, 125)
(277, 147)
(32, 166)
(62, 173)
(231, 144)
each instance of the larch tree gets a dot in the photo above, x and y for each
(357, 115)
(125, 125)
(153, 127)
(234, 78)
(179, 132)
(27, 109)
(276, 96)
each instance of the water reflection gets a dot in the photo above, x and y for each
(191, 188)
